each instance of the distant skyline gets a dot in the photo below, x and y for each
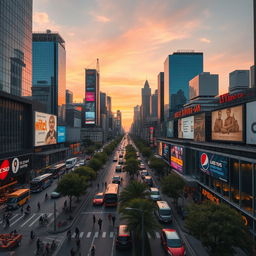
(133, 38)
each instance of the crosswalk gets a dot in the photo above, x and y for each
(20, 220)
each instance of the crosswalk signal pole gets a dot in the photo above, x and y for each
(54, 216)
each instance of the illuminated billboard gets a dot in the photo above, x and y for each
(61, 134)
(45, 129)
(186, 128)
(90, 117)
(90, 80)
(165, 151)
(177, 158)
(90, 106)
(251, 123)
(169, 129)
(199, 127)
(160, 149)
(90, 96)
(227, 124)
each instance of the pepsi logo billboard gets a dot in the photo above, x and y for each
(214, 165)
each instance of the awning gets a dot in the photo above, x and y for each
(49, 152)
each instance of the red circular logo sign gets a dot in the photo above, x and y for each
(4, 169)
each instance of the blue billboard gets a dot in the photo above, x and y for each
(61, 134)
(214, 165)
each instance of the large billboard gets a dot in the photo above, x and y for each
(169, 129)
(177, 153)
(90, 80)
(45, 129)
(214, 165)
(186, 128)
(90, 96)
(199, 127)
(61, 134)
(251, 123)
(227, 124)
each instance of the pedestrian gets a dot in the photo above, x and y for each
(38, 242)
(72, 252)
(28, 208)
(94, 219)
(109, 217)
(100, 223)
(78, 244)
(77, 232)
(32, 235)
(47, 248)
(113, 220)
(105, 184)
(65, 204)
(7, 221)
(38, 206)
(46, 196)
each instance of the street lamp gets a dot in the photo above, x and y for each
(142, 228)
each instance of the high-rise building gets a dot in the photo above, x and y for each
(92, 98)
(252, 76)
(238, 80)
(179, 69)
(69, 97)
(119, 121)
(154, 104)
(49, 72)
(103, 103)
(145, 94)
(160, 101)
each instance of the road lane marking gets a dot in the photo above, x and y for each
(16, 214)
(96, 235)
(73, 236)
(88, 234)
(149, 236)
(32, 223)
(113, 246)
(17, 220)
(81, 234)
(28, 220)
(111, 234)
(104, 234)
(157, 235)
(50, 214)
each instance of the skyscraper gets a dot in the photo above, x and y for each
(179, 69)
(119, 121)
(69, 97)
(160, 101)
(154, 104)
(49, 72)
(238, 80)
(145, 94)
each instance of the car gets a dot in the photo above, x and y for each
(121, 161)
(154, 194)
(55, 194)
(116, 179)
(77, 165)
(172, 243)
(118, 168)
(144, 173)
(98, 199)
(115, 159)
(142, 166)
(82, 162)
(123, 238)
(148, 180)
(120, 156)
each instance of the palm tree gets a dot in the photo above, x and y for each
(134, 190)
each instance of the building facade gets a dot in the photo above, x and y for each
(160, 101)
(69, 97)
(145, 100)
(154, 104)
(239, 80)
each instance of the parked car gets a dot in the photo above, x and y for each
(172, 243)
(123, 238)
(118, 168)
(55, 194)
(98, 199)
(154, 194)
(116, 179)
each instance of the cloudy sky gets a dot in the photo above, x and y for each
(132, 38)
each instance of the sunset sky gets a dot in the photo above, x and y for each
(132, 38)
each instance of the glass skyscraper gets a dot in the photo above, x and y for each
(49, 72)
(179, 69)
(15, 47)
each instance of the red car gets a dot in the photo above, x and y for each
(172, 243)
(98, 199)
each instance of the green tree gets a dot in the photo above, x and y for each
(158, 165)
(172, 186)
(146, 152)
(90, 150)
(219, 228)
(86, 172)
(130, 154)
(72, 185)
(95, 164)
(131, 166)
(102, 157)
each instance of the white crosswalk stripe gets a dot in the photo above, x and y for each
(111, 234)
(104, 234)
(16, 220)
(81, 234)
(157, 235)
(27, 220)
(73, 236)
(96, 235)
(88, 234)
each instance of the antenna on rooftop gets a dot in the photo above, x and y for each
(98, 66)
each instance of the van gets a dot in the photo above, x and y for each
(17, 198)
(123, 238)
(163, 212)
(70, 163)
(148, 180)
(154, 194)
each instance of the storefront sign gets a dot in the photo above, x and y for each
(210, 196)
(187, 111)
(228, 98)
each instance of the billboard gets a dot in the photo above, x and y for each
(177, 158)
(199, 127)
(90, 117)
(90, 96)
(45, 129)
(90, 80)
(251, 123)
(186, 128)
(169, 129)
(61, 134)
(227, 124)
(90, 106)
(165, 151)
(214, 165)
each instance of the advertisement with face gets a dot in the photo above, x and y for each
(186, 128)
(61, 134)
(90, 80)
(165, 151)
(214, 165)
(90, 106)
(169, 129)
(90, 96)
(227, 124)
(177, 158)
(199, 127)
(45, 129)
(251, 123)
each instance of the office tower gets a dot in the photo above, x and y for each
(136, 115)
(109, 104)
(119, 121)
(69, 97)
(238, 80)
(92, 98)
(160, 100)
(154, 104)
(103, 103)
(204, 85)
(179, 69)
(49, 72)
(252, 76)
(146, 93)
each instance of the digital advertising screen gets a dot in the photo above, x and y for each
(90, 106)
(165, 151)
(90, 96)
(227, 124)
(177, 158)
(45, 129)
(61, 134)
(214, 165)
(186, 128)
(90, 80)
(169, 129)
(160, 149)
(251, 123)
(199, 127)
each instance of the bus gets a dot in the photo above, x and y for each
(111, 195)
(41, 182)
(70, 163)
(57, 170)
(17, 198)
